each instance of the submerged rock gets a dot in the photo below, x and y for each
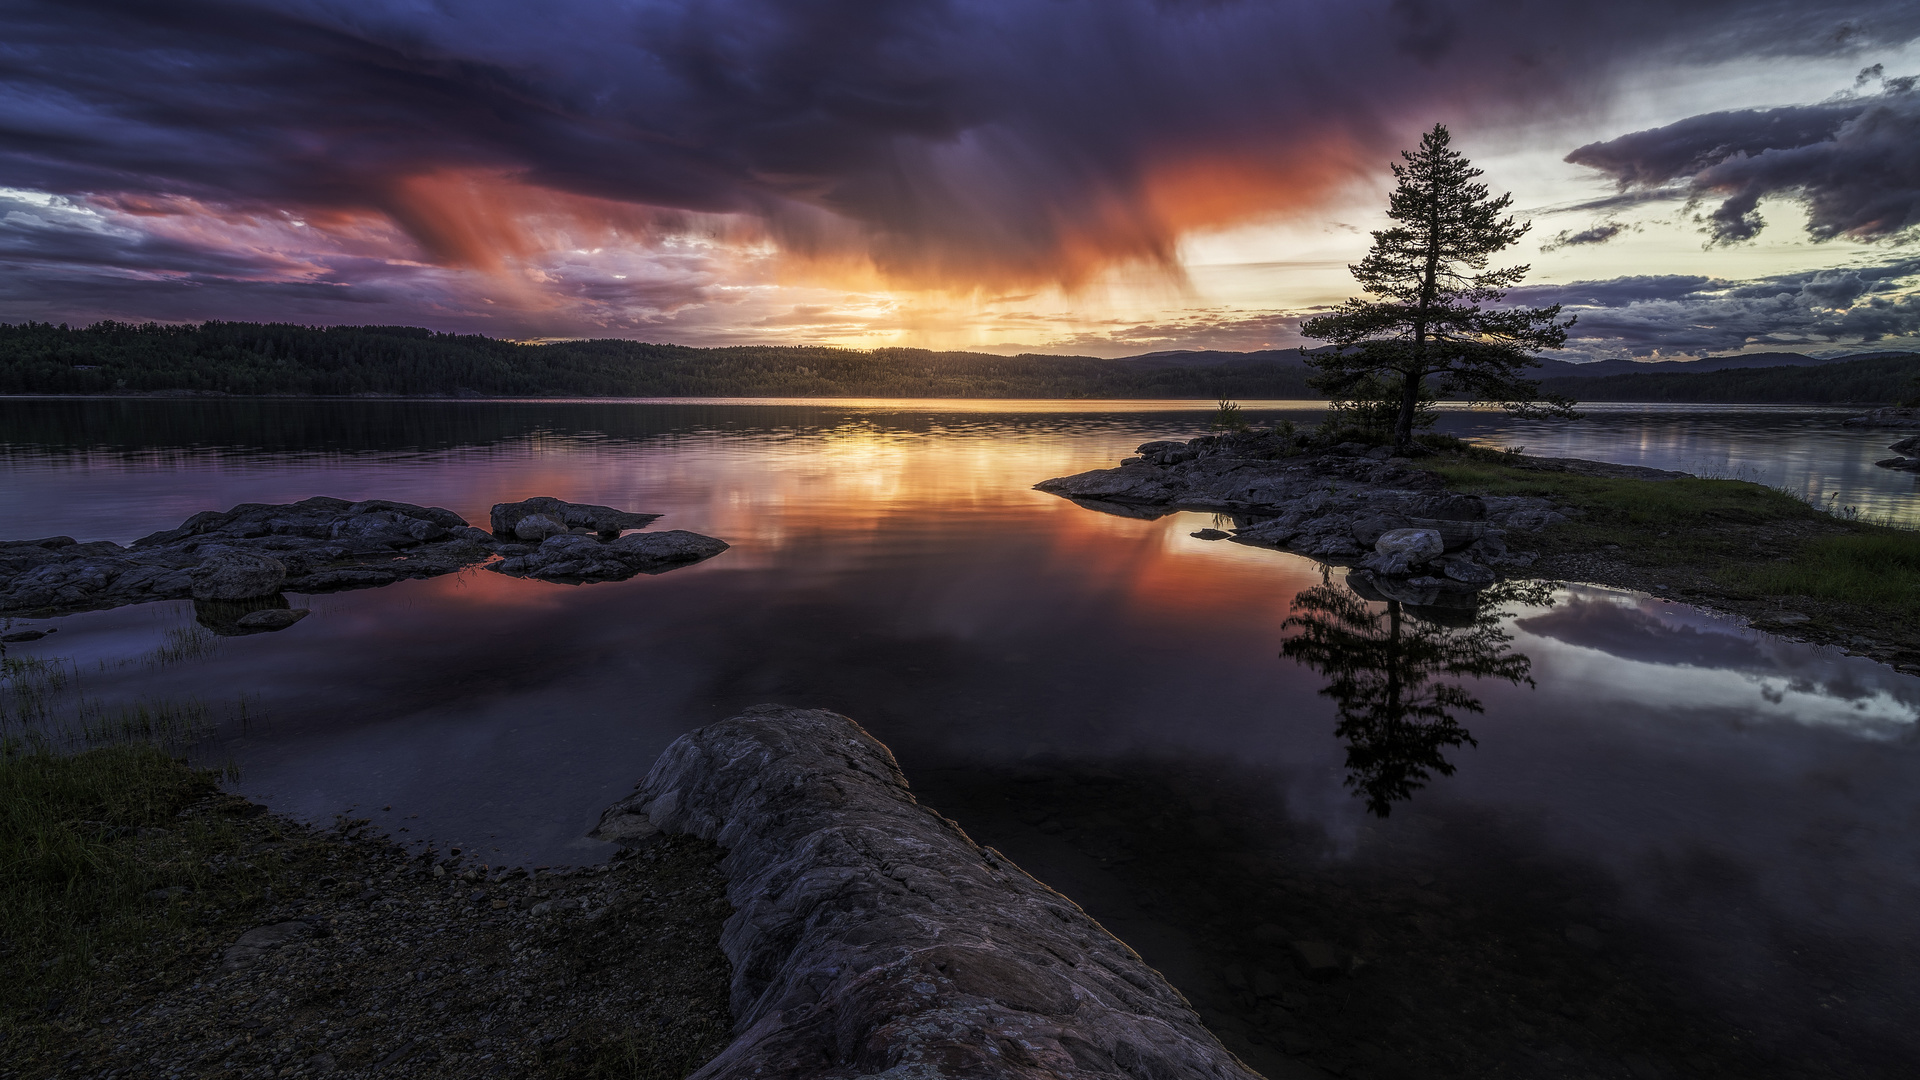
(871, 936)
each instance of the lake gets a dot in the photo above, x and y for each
(1657, 843)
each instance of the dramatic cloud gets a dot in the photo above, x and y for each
(1669, 315)
(1679, 315)
(1597, 233)
(1854, 162)
(656, 166)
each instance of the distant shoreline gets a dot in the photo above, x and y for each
(1197, 403)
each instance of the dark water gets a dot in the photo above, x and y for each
(1621, 837)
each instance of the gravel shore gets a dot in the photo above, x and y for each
(363, 959)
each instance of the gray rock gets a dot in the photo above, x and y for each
(1465, 570)
(271, 618)
(601, 519)
(1210, 534)
(1368, 528)
(1908, 445)
(537, 527)
(1333, 505)
(318, 545)
(237, 575)
(261, 940)
(1533, 519)
(574, 558)
(872, 937)
(1399, 551)
(1134, 485)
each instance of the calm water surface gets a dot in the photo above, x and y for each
(1668, 845)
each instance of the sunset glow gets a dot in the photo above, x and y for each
(1104, 179)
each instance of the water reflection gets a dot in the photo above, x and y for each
(1394, 672)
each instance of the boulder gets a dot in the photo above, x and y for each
(1399, 551)
(238, 575)
(537, 527)
(1464, 570)
(872, 937)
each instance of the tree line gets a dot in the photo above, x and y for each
(280, 359)
(257, 359)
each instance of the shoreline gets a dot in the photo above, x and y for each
(1710, 542)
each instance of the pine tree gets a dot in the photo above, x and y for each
(1430, 274)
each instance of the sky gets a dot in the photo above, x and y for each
(1097, 177)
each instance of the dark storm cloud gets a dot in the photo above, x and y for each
(1853, 162)
(950, 141)
(1597, 233)
(1679, 315)
(1669, 315)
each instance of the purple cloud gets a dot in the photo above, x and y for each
(1854, 163)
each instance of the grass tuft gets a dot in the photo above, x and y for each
(1876, 570)
(78, 862)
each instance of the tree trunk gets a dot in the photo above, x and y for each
(1409, 404)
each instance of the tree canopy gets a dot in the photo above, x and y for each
(1435, 314)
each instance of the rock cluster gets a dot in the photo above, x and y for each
(1349, 505)
(871, 936)
(249, 555)
(538, 518)
(1909, 445)
(573, 559)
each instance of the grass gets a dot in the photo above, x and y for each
(103, 879)
(80, 859)
(1754, 542)
(1876, 570)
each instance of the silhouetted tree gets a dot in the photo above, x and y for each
(1387, 669)
(1430, 274)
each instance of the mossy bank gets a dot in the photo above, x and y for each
(155, 927)
(1730, 545)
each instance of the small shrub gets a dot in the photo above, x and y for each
(1229, 418)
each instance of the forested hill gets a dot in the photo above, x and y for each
(1881, 378)
(278, 359)
(251, 358)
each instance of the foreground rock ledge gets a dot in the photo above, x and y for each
(872, 937)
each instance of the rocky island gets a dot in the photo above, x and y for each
(1443, 525)
(254, 552)
(1348, 504)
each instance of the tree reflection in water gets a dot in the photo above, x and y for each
(1393, 673)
